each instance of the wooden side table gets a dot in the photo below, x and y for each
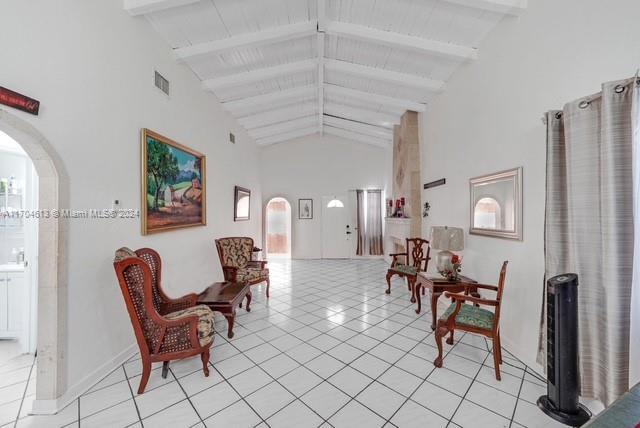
(224, 297)
(437, 286)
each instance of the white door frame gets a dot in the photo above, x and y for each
(344, 198)
(52, 276)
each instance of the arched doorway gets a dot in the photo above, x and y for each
(51, 335)
(278, 228)
(488, 214)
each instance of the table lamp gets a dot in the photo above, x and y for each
(446, 239)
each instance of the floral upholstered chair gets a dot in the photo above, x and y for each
(237, 266)
(472, 318)
(166, 329)
(408, 264)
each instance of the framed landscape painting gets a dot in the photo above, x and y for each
(173, 185)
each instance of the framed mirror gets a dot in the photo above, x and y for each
(242, 204)
(496, 204)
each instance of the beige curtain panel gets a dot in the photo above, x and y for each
(589, 228)
(374, 222)
(360, 222)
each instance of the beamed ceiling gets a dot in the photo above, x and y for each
(351, 68)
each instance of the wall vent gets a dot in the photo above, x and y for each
(161, 82)
(232, 138)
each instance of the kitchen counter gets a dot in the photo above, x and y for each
(12, 267)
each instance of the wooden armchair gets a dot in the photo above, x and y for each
(472, 318)
(237, 266)
(415, 260)
(166, 329)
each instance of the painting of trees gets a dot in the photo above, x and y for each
(173, 185)
(162, 167)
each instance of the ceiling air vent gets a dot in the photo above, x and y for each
(232, 137)
(161, 82)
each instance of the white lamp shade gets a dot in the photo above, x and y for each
(447, 238)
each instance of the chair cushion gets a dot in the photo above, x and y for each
(205, 321)
(236, 252)
(404, 269)
(471, 316)
(252, 274)
(124, 253)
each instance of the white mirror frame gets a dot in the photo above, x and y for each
(514, 174)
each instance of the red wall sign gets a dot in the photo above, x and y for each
(19, 101)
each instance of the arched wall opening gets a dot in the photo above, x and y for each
(51, 333)
(278, 228)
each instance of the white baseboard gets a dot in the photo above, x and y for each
(529, 360)
(50, 407)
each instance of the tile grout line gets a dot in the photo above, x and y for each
(513, 415)
(133, 397)
(24, 393)
(185, 394)
(466, 392)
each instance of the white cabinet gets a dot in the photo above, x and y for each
(12, 301)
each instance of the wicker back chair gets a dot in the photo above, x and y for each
(235, 257)
(165, 329)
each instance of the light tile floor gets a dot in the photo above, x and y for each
(329, 348)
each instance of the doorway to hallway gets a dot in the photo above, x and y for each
(278, 228)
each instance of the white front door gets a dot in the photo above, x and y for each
(336, 231)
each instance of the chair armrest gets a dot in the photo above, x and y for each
(455, 297)
(257, 263)
(395, 258)
(180, 303)
(482, 286)
(173, 330)
(230, 273)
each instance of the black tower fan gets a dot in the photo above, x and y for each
(563, 376)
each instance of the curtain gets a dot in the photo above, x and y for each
(360, 222)
(374, 222)
(589, 228)
(634, 351)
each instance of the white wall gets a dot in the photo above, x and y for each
(313, 167)
(90, 64)
(488, 119)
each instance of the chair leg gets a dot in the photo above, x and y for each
(165, 369)
(496, 358)
(146, 371)
(499, 347)
(389, 275)
(268, 284)
(441, 331)
(450, 339)
(205, 361)
(412, 285)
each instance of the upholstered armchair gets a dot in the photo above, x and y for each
(408, 264)
(472, 318)
(166, 329)
(237, 266)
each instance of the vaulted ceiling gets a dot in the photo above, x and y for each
(351, 68)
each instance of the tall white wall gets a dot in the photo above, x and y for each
(91, 66)
(313, 167)
(489, 119)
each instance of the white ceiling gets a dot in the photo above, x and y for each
(288, 68)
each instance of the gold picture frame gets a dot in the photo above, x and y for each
(173, 185)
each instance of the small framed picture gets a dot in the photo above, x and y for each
(305, 209)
